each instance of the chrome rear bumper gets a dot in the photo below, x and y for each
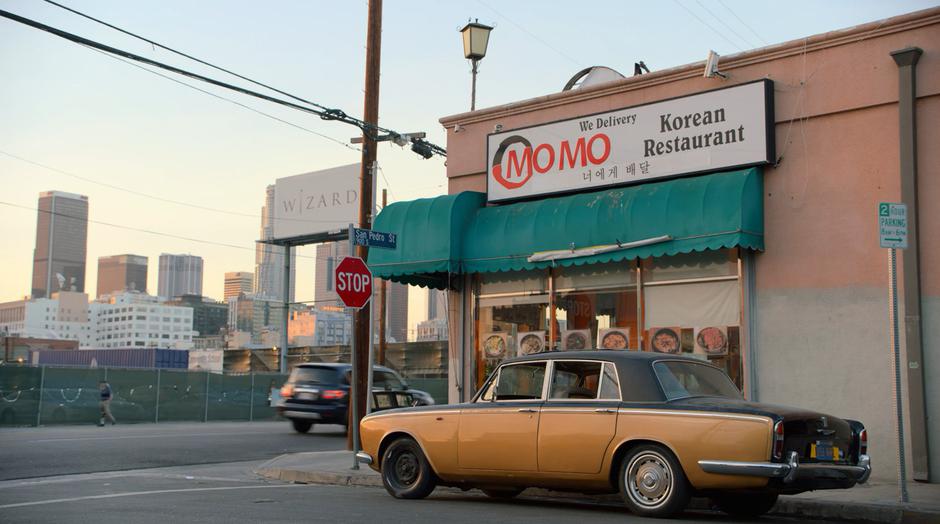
(791, 470)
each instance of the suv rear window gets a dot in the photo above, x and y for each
(314, 375)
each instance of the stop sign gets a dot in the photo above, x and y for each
(353, 282)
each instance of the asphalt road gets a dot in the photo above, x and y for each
(229, 493)
(66, 450)
(204, 473)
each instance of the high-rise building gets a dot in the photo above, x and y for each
(61, 241)
(237, 282)
(179, 275)
(269, 260)
(329, 255)
(119, 273)
(209, 316)
(396, 311)
(437, 304)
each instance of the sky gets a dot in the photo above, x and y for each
(131, 140)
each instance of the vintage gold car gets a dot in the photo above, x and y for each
(657, 428)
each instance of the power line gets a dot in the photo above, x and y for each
(531, 34)
(147, 195)
(706, 24)
(138, 230)
(325, 114)
(745, 24)
(220, 97)
(722, 22)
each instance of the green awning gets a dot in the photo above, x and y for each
(456, 234)
(429, 232)
(698, 213)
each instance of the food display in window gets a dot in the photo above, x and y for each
(494, 345)
(575, 339)
(530, 342)
(613, 338)
(665, 339)
(711, 340)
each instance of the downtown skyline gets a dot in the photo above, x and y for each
(120, 126)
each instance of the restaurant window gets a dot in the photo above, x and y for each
(692, 306)
(595, 307)
(511, 318)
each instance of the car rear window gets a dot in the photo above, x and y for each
(689, 379)
(314, 375)
(386, 380)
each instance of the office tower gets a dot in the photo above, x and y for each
(269, 260)
(437, 304)
(396, 311)
(61, 240)
(179, 275)
(119, 273)
(237, 282)
(329, 255)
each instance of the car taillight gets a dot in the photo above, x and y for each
(863, 442)
(778, 440)
(333, 394)
(287, 391)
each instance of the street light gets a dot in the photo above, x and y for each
(475, 38)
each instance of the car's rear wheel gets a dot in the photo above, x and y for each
(301, 426)
(652, 482)
(745, 506)
(502, 493)
(406, 472)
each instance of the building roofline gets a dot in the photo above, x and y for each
(829, 39)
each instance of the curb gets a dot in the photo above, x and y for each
(785, 507)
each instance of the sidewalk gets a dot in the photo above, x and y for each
(865, 503)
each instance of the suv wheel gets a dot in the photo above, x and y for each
(300, 425)
(406, 472)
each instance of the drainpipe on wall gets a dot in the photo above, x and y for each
(906, 60)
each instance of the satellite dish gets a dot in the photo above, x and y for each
(592, 76)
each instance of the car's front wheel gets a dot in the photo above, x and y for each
(406, 472)
(745, 506)
(301, 426)
(652, 482)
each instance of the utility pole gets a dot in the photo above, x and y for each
(362, 317)
(380, 356)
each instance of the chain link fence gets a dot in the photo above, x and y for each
(34, 396)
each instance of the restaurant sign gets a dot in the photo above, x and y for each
(723, 129)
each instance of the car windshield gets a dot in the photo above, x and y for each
(313, 375)
(689, 379)
(386, 380)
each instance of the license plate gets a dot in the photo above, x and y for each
(824, 451)
(306, 396)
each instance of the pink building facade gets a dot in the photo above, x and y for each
(803, 314)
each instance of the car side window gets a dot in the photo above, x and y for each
(576, 380)
(521, 381)
(610, 386)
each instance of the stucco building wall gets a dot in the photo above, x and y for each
(821, 300)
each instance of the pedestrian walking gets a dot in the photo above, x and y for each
(104, 389)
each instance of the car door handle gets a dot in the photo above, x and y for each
(605, 410)
(528, 410)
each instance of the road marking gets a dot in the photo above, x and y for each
(161, 435)
(139, 493)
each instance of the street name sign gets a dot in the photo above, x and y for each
(370, 238)
(892, 225)
(353, 282)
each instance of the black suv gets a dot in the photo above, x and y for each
(319, 393)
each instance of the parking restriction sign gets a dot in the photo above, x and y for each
(892, 225)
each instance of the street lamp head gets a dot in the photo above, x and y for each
(475, 38)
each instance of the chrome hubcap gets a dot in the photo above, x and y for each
(649, 479)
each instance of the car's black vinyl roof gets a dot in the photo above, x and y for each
(609, 355)
(335, 365)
